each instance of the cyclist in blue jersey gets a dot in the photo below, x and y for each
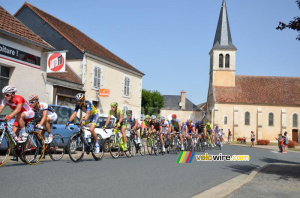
(91, 116)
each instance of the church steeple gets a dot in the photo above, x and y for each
(223, 36)
(223, 53)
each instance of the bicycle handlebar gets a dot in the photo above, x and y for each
(5, 121)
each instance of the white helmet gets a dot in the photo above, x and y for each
(9, 89)
(153, 117)
(79, 96)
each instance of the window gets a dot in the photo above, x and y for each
(227, 61)
(221, 57)
(4, 78)
(126, 90)
(271, 119)
(225, 120)
(97, 77)
(247, 118)
(125, 108)
(295, 120)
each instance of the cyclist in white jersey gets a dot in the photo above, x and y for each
(49, 116)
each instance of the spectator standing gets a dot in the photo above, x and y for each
(280, 142)
(285, 142)
(229, 136)
(252, 139)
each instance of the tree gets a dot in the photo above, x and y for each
(152, 102)
(294, 25)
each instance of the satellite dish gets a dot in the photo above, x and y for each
(180, 104)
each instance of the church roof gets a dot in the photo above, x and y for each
(223, 38)
(261, 90)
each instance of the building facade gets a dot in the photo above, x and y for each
(92, 66)
(182, 107)
(266, 105)
(22, 58)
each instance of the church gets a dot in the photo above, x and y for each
(263, 104)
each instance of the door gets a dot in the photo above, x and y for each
(295, 135)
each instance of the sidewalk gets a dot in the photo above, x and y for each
(269, 147)
(272, 181)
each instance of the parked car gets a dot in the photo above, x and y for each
(63, 115)
(108, 131)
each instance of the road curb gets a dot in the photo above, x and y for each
(231, 185)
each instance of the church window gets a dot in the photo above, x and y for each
(221, 57)
(225, 120)
(227, 61)
(247, 118)
(271, 119)
(295, 120)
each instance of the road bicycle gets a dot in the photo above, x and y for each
(177, 143)
(151, 144)
(56, 148)
(30, 152)
(116, 144)
(158, 144)
(78, 144)
(135, 147)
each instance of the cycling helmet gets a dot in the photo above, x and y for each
(162, 118)
(79, 96)
(153, 117)
(174, 116)
(33, 97)
(147, 117)
(129, 112)
(9, 89)
(114, 104)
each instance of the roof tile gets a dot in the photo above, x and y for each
(12, 25)
(261, 90)
(79, 39)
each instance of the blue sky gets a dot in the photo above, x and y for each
(169, 40)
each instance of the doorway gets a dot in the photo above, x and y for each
(295, 135)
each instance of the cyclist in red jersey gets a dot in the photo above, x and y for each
(21, 111)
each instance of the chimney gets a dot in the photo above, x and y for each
(183, 100)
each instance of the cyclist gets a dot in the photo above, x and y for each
(176, 127)
(217, 131)
(145, 124)
(21, 111)
(49, 116)
(120, 123)
(133, 124)
(209, 130)
(190, 130)
(91, 116)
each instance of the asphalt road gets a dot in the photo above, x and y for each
(140, 176)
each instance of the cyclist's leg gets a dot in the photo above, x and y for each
(124, 135)
(92, 129)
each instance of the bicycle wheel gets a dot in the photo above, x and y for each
(76, 147)
(142, 149)
(4, 149)
(149, 145)
(114, 146)
(98, 156)
(33, 148)
(56, 149)
(156, 147)
(132, 148)
(128, 152)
